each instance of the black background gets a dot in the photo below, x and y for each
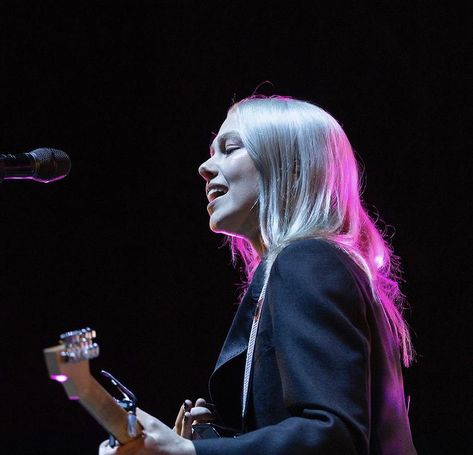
(132, 91)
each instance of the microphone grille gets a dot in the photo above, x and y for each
(50, 164)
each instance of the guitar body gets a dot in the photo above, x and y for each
(68, 363)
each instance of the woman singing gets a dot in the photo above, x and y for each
(322, 371)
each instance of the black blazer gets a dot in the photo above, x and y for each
(326, 377)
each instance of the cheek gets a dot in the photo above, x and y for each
(245, 175)
(243, 205)
(245, 189)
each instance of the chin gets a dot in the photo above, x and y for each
(215, 223)
(219, 227)
(216, 229)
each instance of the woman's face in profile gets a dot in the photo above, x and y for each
(231, 184)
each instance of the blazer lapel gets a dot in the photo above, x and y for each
(236, 341)
(226, 381)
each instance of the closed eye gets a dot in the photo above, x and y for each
(229, 150)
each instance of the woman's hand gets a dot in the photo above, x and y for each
(156, 439)
(189, 415)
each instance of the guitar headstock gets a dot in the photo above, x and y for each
(68, 362)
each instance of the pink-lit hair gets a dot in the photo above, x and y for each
(310, 188)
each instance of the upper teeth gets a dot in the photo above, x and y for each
(216, 190)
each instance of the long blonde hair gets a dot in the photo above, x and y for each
(310, 188)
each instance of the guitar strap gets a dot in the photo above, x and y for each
(251, 348)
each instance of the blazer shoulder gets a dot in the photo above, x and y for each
(315, 254)
(318, 265)
(313, 245)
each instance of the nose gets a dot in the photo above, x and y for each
(207, 170)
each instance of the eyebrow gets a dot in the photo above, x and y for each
(222, 138)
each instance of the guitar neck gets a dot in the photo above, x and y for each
(106, 411)
(80, 385)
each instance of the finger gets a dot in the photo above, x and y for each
(186, 423)
(201, 414)
(187, 426)
(200, 402)
(186, 406)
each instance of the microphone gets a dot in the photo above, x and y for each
(41, 165)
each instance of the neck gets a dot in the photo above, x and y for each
(257, 243)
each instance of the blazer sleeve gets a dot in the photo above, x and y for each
(321, 340)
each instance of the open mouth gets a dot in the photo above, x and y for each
(215, 192)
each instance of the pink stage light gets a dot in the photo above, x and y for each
(59, 377)
(379, 260)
